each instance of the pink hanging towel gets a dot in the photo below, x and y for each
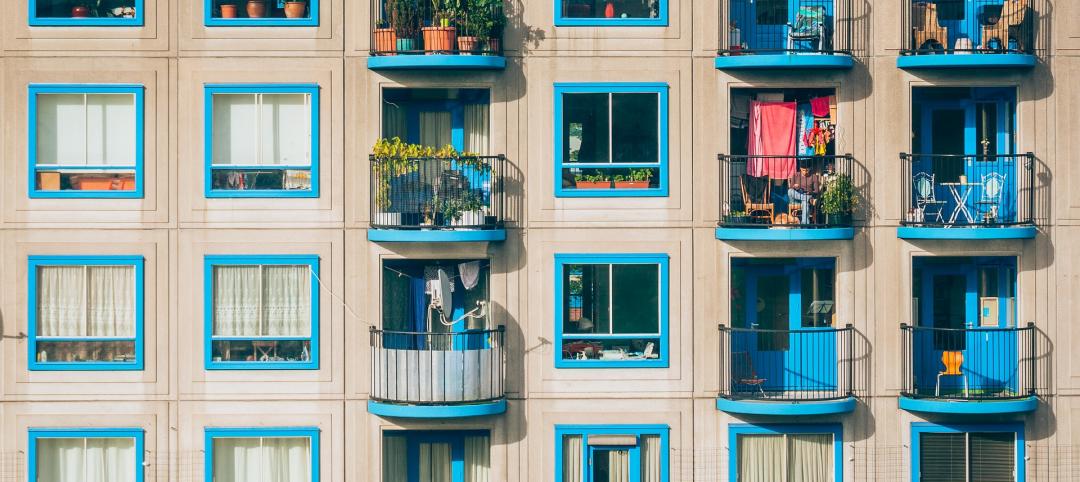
(819, 106)
(772, 133)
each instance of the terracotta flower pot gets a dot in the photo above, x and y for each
(439, 39)
(80, 11)
(468, 44)
(631, 184)
(229, 11)
(256, 8)
(295, 9)
(593, 184)
(385, 40)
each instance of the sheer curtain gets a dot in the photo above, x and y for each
(111, 307)
(435, 462)
(761, 458)
(571, 458)
(476, 128)
(436, 129)
(287, 300)
(61, 301)
(651, 456)
(286, 459)
(110, 129)
(236, 300)
(86, 460)
(234, 140)
(86, 129)
(266, 459)
(285, 129)
(619, 466)
(395, 459)
(809, 457)
(395, 123)
(477, 458)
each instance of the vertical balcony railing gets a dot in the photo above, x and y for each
(971, 26)
(969, 363)
(959, 190)
(787, 365)
(790, 27)
(750, 198)
(428, 368)
(438, 193)
(414, 27)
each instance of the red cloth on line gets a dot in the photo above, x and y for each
(771, 133)
(819, 106)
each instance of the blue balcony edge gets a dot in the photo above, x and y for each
(1022, 405)
(784, 234)
(437, 62)
(785, 61)
(436, 235)
(436, 411)
(958, 232)
(966, 61)
(752, 407)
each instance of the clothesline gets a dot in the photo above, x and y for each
(452, 278)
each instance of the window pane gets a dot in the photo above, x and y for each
(61, 301)
(817, 297)
(993, 457)
(772, 12)
(435, 462)
(635, 133)
(110, 125)
(255, 459)
(571, 458)
(942, 457)
(588, 287)
(610, 8)
(810, 457)
(610, 465)
(61, 129)
(86, 460)
(111, 307)
(235, 129)
(287, 300)
(285, 123)
(477, 458)
(395, 459)
(651, 458)
(761, 458)
(635, 305)
(773, 312)
(585, 128)
(236, 300)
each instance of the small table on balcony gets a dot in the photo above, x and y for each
(961, 191)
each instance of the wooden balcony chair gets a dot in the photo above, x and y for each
(1008, 25)
(925, 26)
(952, 361)
(763, 210)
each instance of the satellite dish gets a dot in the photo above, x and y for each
(445, 302)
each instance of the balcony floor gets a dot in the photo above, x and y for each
(980, 407)
(436, 235)
(783, 234)
(799, 61)
(966, 61)
(966, 232)
(791, 408)
(437, 62)
(384, 409)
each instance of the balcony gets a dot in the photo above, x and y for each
(787, 372)
(945, 34)
(437, 199)
(418, 374)
(786, 34)
(972, 370)
(412, 34)
(761, 197)
(967, 196)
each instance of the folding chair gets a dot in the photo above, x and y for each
(809, 25)
(925, 26)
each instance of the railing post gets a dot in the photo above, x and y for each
(849, 329)
(1032, 360)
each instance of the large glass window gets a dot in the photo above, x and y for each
(766, 292)
(611, 453)
(967, 454)
(263, 141)
(262, 312)
(267, 13)
(85, 313)
(433, 456)
(262, 455)
(99, 13)
(611, 12)
(86, 141)
(86, 455)
(771, 453)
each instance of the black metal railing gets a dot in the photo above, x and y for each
(438, 193)
(969, 363)
(784, 26)
(971, 26)
(761, 191)
(957, 190)
(787, 365)
(428, 368)
(415, 27)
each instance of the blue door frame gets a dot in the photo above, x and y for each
(634, 462)
(771, 34)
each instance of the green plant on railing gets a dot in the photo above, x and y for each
(453, 208)
(396, 158)
(483, 18)
(404, 17)
(839, 196)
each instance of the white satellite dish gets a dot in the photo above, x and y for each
(445, 301)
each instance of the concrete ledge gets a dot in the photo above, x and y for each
(436, 411)
(784, 61)
(436, 235)
(762, 407)
(966, 61)
(1021, 405)
(784, 234)
(1013, 232)
(437, 62)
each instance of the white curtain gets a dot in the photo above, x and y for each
(61, 301)
(436, 129)
(761, 458)
(810, 457)
(476, 128)
(435, 462)
(111, 307)
(477, 458)
(236, 300)
(571, 458)
(395, 459)
(261, 129)
(287, 300)
(86, 129)
(619, 466)
(651, 456)
(266, 459)
(395, 122)
(86, 460)
(86, 301)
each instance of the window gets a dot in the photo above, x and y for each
(458, 456)
(611, 453)
(262, 312)
(611, 139)
(262, 140)
(967, 453)
(274, 13)
(86, 141)
(65, 13)
(612, 310)
(86, 455)
(262, 455)
(438, 117)
(785, 453)
(623, 13)
(772, 12)
(85, 312)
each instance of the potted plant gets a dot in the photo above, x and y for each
(838, 200)
(385, 37)
(295, 8)
(229, 9)
(737, 217)
(637, 179)
(405, 20)
(470, 20)
(440, 36)
(592, 181)
(256, 8)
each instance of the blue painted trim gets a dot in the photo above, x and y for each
(436, 235)
(208, 140)
(662, 260)
(140, 140)
(966, 61)
(209, 261)
(659, 88)
(437, 62)
(660, 21)
(36, 434)
(827, 407)
(1020, 405)
(972, 233)
(33, 262)
(919, 428)
(250, 432)
(785, 61)
(737, 429)
(661, 431)
(436, 411)
(35, 21)
(312, 20)
(783, 234)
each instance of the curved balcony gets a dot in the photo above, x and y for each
(787, 372)
(794, 34)
(437, 375)
(969, 370)
(950, 34)
(410, 34)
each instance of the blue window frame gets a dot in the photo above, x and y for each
(611, 310)
(275, 15)
(967, 452)
(599, 449)
(261, 312)
(261, 141)
(53, 13)
(594, 13)
(455, 450)
(71, 157)
(605, 141)
(222, 442)
(67, 328)
(46, 444)
(794, 433)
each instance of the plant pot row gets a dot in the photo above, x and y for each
(261, 9)
(435, 40)
(609, 184)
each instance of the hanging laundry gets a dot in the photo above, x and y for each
(470, 274)
(806, 123)
(817, 139)
(820, 106)
(771, 133)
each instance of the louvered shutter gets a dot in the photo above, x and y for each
(993, 456)
(942, 457)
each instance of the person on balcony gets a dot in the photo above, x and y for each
(804, 186)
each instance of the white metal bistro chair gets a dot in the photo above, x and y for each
(925, 199)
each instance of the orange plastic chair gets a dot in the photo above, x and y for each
(952, 361)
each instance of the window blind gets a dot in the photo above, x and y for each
(86, 129)
(262, 129)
